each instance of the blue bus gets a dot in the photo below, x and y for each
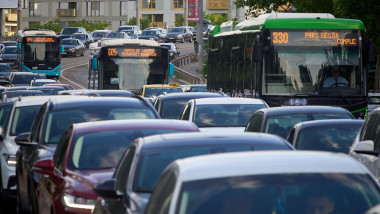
(39, 51)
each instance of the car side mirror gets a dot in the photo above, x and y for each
(45, 166)
(171, 69)
(107, 189)
(366, 147)
(23, 140)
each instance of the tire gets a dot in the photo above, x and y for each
(82, 54)
(76, 53)
(191, 39)
(183, 40)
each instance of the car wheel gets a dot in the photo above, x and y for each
(75, 54)
(82, 54)
(183, 40)
(190, 40)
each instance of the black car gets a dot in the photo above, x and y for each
(72, 47)
(9, 55)
(169, 106)
(179, 34)
(206, 30)
(154, 35)
(5, 69)
(68, 31)
(53, 118)
(139, 169)
(24, 78)
(173, 50)
(279, 120)
(85, 38)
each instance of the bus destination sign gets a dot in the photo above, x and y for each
(131, 52)
(314, 38)
(40, 39)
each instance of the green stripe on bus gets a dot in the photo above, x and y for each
(359, 110)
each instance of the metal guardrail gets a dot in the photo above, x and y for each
(184, 75)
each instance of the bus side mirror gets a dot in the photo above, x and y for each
(62, 49)
(258, 50)
(94, 63)
(371, 58)
(19, 46)
(171, 69)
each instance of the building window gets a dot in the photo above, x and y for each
(24, 4)
(67, 5)
(124, 8)
(178, 4)
(95, 8)
(149, 4)
(155, 19)
(34, 9)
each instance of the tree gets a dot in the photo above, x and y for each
(144, 23)
(53, 25)
(180, 20)
(90, 26)
(268, 5)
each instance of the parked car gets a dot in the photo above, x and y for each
(366, 146)
(9, 55)
(68, 31)
(169, 106)
(41, 82)
(99, 34)
(52, 120)
(173, 50)
(72, 47)
(336, 135)
(115, 35)
(96, 150)
(179, 34)
(24, 78)
(194, 88)
(224, 114)
(279, 120)
(265, 182)
(139, 169)
(85, 38)
(157, 89)
(108, 93)
(154, 35)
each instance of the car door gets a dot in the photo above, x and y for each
(255, 124)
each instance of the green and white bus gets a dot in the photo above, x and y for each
(284, 59)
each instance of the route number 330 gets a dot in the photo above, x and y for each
(280, 37)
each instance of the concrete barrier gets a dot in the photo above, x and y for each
(184, 75)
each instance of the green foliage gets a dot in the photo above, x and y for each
(216, 19)
(268, 5)
(132, 21)
(90, 26)
(53, 25)
(144, 23)
(180, 21)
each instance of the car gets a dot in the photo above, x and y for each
(96, 150)
(21, 116)
(68, 31)
(41, 82)
(48, 90)
(206, 30)
(65, 86)
(373, 100)
(153, 34)
(85, 38)
(115, 35)
(135, 28)
(99, 34)
(5, 107)
(22, 93)
(72, 47)
(169, 106)
(279, 120)
(335, 135)
(9, 43)
(52, 120)
(9, 55)
(5, 69)
(73, 92)
(157, 89)
(108, 93)
(265, 182)
(194, 88)
(179, 34)
(24, 78)
(162, 31)
(173, 50)
(366, 147)
(146, 158)
(131, 33)
(223, 114)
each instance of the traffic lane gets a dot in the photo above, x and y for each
(185, 48)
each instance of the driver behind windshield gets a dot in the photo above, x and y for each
(335, 80)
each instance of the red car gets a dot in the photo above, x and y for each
(88, 153)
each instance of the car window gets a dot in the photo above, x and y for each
(171, 109)
(23, 118)
(371, 130)
(186, 112)
(61, 151)
(123, 168)
(36, 127)
(255, 123)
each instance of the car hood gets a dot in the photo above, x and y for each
(146, 37)
(69, 46)
(82, 182)
(223, 129)
(9, 56)
(173, 34)
(140, 200)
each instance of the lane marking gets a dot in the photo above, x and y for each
(70, 80)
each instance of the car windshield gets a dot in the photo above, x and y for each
(149, 33)
(58, 121)
(24, 79)
(280, 193)
(104, 149)
(10, 50)
(224, 115)
(69, 31)
(176, 29)
(4, 110)
(328, 137)
(171, 109)
(198, 88)
(5, 70)
(129, 32)
(99, 34)
(281, 125)
(50, 90)
(69, 42)
(114, 35)
(23, 119)
(79, 36)
(157, 91)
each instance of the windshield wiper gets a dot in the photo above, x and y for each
(144, 191)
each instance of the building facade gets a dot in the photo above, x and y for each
(116, 12)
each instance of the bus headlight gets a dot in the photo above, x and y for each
(77, 202)
(10, 159)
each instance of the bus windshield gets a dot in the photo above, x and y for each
(132, 73)
(41, 52)
(317, 66)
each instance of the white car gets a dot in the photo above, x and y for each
(265, 182)
(41, 82)
(224, 114)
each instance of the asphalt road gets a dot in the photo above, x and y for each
(75, 69)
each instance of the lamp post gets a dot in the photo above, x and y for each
(137, 14)
(200, 34)
(18, 15)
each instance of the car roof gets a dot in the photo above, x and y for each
(201, 138)
(37, 100)
(106, 92)
(189, 95)
(266, 162)
(27, 73)
(289, 110)
(227, 100)
(328, 122)
(134, 124)
(161, 86)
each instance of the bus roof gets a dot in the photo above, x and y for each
(113, 42)
(38, 33)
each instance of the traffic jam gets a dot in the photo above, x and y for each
(146, 145)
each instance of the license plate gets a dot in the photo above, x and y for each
(171, 38)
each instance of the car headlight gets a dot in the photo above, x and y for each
(77, 202)
(72, 49)
(179, 36)
(10, 159)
